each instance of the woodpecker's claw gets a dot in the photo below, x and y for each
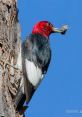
(64, 29)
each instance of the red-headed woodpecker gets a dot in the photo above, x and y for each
(36, 55)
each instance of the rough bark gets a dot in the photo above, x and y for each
(10, 78)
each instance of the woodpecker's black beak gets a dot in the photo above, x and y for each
(62, 30)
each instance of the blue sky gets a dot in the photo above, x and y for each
(60, 93)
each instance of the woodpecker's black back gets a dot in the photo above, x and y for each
(36, 48)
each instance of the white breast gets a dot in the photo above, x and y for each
(34, 73)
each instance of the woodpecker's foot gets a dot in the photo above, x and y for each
(23, 109)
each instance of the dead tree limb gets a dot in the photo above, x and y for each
(10, 77)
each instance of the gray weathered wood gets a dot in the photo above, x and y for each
(10, 78)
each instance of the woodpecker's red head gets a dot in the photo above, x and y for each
(45, 28)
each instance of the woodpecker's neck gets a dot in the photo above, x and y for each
(41, 33)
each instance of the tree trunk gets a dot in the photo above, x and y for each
(10, 77)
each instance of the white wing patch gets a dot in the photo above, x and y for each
(34, 73)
